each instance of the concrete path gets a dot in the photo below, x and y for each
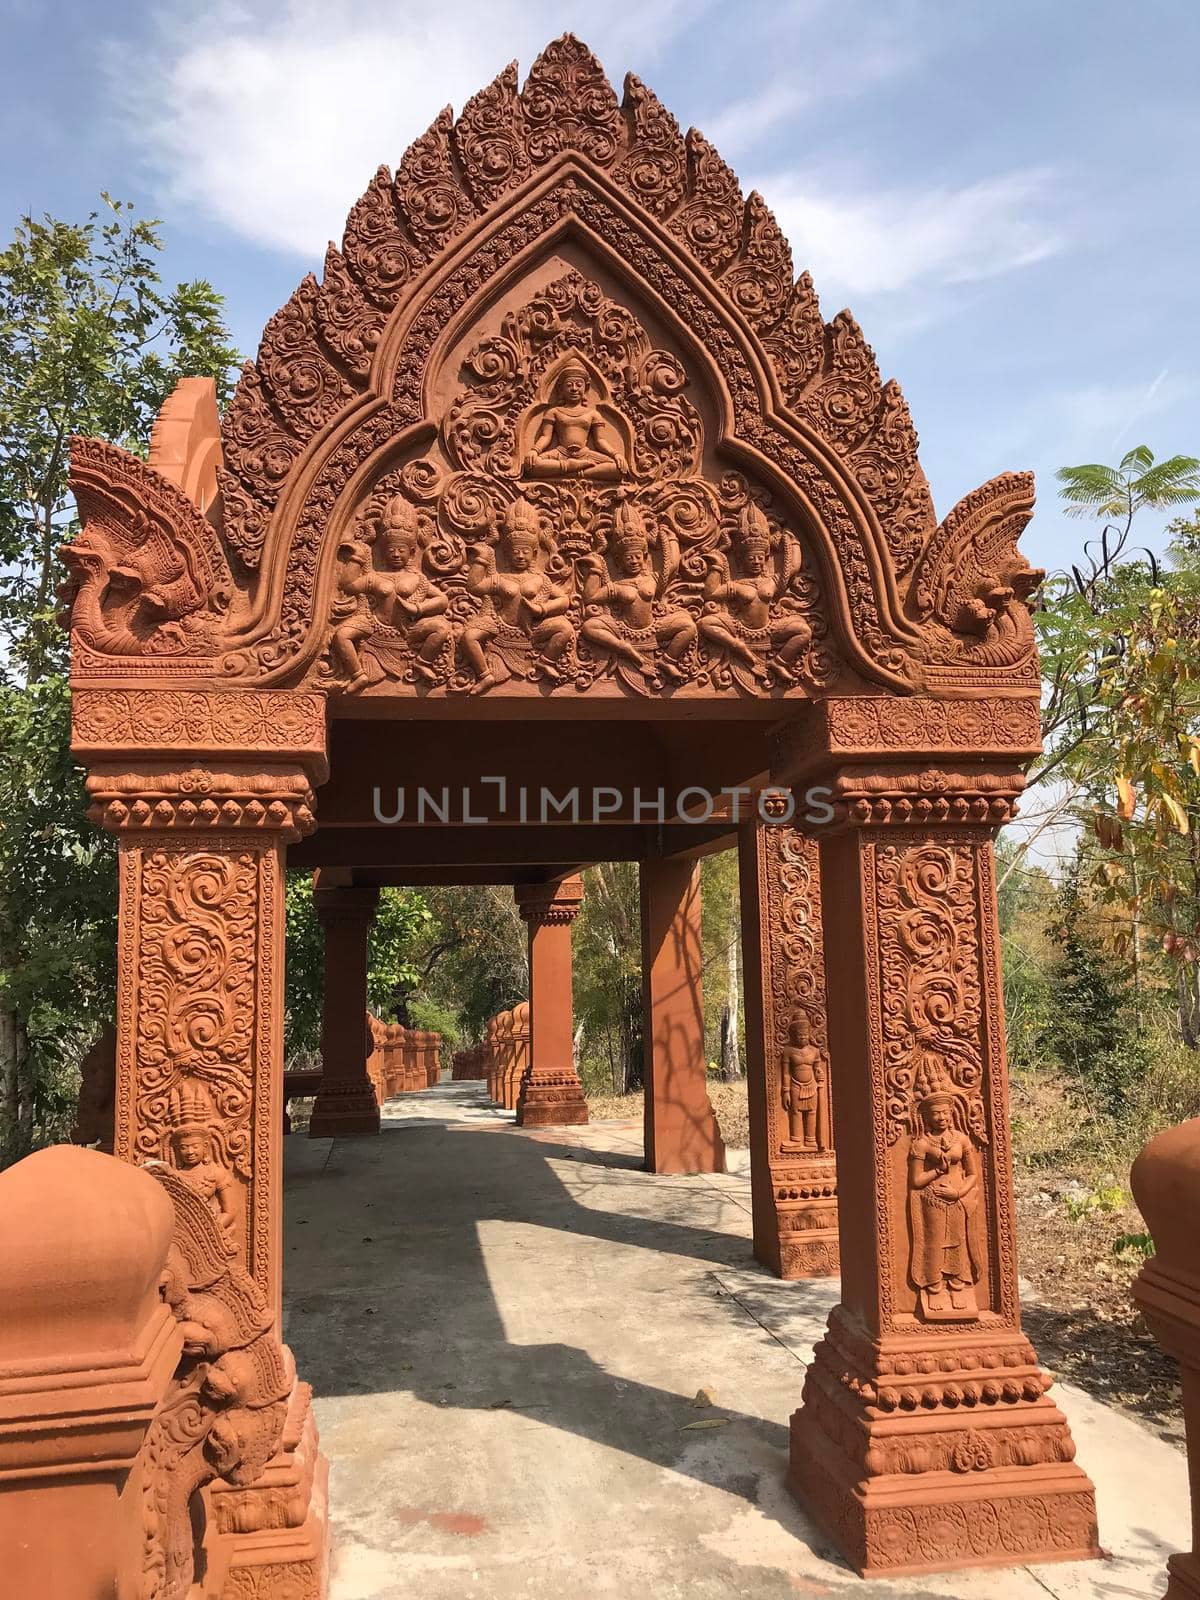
(505, 1332)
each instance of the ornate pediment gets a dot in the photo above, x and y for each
(562, 300)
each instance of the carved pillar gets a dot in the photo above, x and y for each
(517, 1039)
(550, 1092)
(926, 1438)
(204, 790)
(792, 1168)
(681, 1132)
(346, 1102)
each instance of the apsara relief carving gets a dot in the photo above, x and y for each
(564, 530)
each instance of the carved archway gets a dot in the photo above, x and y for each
(559, 429)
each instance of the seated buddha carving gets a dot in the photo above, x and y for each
(573, 438)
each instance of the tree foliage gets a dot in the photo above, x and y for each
(90, 342)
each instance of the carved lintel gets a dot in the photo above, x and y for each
(916, 731)
(218, 724)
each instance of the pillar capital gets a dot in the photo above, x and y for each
(554, 902)
(273, 801)
(189, 759)
(883, 761)
(344, 903)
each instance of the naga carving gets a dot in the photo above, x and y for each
(147, 576)
(224, 1413)
(973, 590)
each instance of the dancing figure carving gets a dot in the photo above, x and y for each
(738, 614)
(622, 613)
(521, 602)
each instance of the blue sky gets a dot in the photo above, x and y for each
(1005, 194)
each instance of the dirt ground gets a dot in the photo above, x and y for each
(1077, 1230)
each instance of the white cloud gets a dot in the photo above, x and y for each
(271, 120)
(743, 122)
(859, 242)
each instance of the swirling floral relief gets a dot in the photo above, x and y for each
(197, 927)
(932, 999)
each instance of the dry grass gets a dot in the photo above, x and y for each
(728, 1101)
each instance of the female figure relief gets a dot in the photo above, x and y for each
(192, 1152)
(351, 615)
(737, 612)
(519, 605)
(943, 1182)
(621, 610)
(410, 601)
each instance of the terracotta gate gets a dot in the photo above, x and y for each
(557, 479)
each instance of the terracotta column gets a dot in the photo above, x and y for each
(681, 1131)
(1166, 1185)
(792, 1169)
(346, 1102)
(550, 1091)
(518, 1053)
(202, 833)
(926, 1438)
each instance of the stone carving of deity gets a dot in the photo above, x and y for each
(573, 438)
(622, 615)
(803, 1078)
(943, 1182)
(404, 593)
(737, 613)
(520, 600)
(352, 618)
(193, 1146)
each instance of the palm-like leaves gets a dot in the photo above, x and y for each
(1110, 492)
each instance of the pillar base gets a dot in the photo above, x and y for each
(684, 1144)
(919, 1453)
(1183, 1578)
(273, 1536)
(553, 1101)
(804, 1240)
(344, 1113)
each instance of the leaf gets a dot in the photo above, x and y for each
(1126, 797)
(1178, 815)
(705, 1422)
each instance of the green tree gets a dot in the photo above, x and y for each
(1118, 493)
(1120, 643)
(1092, 1030)
(90, 342)
(608, 978)
(402, 921)
(473, 960)
(721, 935)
